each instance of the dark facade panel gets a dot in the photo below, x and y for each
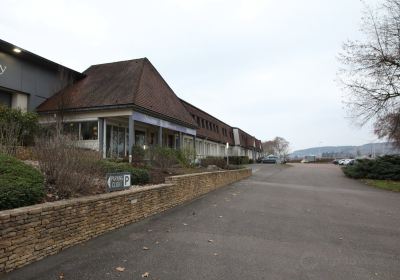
(34, 80)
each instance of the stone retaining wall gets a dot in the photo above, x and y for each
(31, 233)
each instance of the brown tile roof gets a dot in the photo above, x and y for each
(217, 130)
(246, 140)
(133, 83)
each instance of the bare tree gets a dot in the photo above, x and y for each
(278, 146)
(371, 70)
(268, 146)
(63, 100)
(281, 147)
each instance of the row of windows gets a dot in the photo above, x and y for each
(82, 130)
(211, 126)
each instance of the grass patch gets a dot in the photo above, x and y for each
(384, 184)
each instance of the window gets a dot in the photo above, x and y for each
(198, 121)
(202, 123)
(89, 130)
(71, 129)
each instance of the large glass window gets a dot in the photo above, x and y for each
(89, 130)
(116, 141)
(140, 138)
(121, 141)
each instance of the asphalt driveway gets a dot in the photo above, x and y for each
(300, 222)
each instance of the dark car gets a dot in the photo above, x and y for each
(270, 159)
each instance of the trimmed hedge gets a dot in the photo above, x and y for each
(382, 168)
(239, 160)
(139, 176)
(20, 184)
(217, 161)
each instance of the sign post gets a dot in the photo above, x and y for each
(118, 181)
(227, 153)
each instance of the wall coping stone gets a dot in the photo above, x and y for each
(77, 201)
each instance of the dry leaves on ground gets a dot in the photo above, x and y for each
(120, 269)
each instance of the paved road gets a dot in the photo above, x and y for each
(301, 222)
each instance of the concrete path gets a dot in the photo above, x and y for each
(300, 222)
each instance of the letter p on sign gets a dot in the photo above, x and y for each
(127, 180)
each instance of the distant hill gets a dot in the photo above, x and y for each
(373, 149)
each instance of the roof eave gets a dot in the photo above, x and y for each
(120, 106)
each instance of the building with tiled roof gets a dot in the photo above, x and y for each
(113, 106)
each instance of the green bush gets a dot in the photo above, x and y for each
(20, 184)
(217, 161)
(186, 157)
(163, 157)
(16, 128)
(239, 160)
(138, 153)
(139, 176)
(382, 168)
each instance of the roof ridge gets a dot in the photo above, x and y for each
(148, 62)
(120, 61)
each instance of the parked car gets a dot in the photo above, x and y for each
(270, 159)
(349, 162)
(346, 161)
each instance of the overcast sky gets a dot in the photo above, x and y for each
(268, 67)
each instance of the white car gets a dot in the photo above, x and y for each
(350, 162)
(347, 161)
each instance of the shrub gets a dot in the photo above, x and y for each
(217, 161)
(382, 168)
(238, 160)
(20, 184)
(138, 154)
(16, 128)
(139, 176)
(186, 157)
(162, 157)
(69, 170)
